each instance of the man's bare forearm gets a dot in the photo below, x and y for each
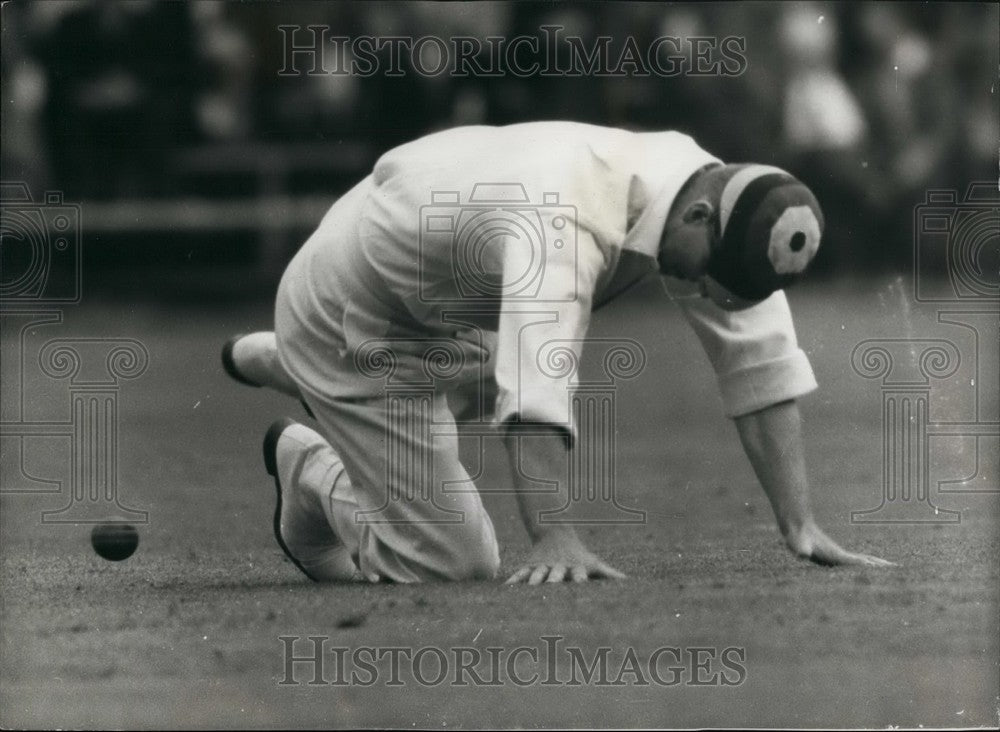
(772, 439)
(557, 554)
(534, 456)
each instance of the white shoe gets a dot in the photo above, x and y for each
(293, 455)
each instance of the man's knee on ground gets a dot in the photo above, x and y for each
(445, 553)
(482, 563)
(476, 560)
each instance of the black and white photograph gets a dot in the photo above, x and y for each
(499, 364)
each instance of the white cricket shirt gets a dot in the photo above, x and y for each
(521, 230)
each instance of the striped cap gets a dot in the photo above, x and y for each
(770, 228)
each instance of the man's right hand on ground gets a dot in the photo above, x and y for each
(811, 543)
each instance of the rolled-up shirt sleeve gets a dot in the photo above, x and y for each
(754, 352)
(541, 333)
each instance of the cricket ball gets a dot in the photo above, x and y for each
(114, 542)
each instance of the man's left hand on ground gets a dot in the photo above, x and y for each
(561, 556)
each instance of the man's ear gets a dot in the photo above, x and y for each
(701, 211)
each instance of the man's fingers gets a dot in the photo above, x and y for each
(519, 576)
(538, 575)
(557, 574)
(832, 559)
(877, 561)
(603, 570)
(597, 571)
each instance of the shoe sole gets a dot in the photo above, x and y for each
(270, 448)
(229, 366)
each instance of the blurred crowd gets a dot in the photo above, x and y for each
(869, 103)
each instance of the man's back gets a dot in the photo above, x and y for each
(468, 216)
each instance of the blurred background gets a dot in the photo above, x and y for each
(189, 154)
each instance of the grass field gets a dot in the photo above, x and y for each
(187, 631)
